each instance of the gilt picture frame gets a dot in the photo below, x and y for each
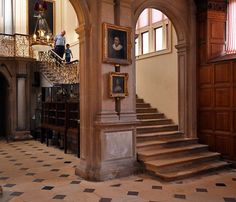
(116, 44)
(118, 84)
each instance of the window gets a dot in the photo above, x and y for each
(145, 43)
(153, 33)
(231, 32)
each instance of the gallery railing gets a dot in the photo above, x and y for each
(16, 45)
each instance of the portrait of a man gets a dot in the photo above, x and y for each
(116, 44)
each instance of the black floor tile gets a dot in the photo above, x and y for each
(75, 182)
(52, 155)
(201, 190)
(61, 197)
(116, 185)
(89, 190)
(39, 161)
(156, 187)
(105, 200)
(220, 185)
(9, 185)
(38, 180)
(16, 193)
(47, 188)
(30, 174)
(68, 162)
(227, 199)
(55, 170)
(13, 160)
(47, 165)
(132, 193)
(24, 168)
(180, 196)
(234, 179)
(59, 158)
(64, 175)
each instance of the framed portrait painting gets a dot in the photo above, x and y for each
(116, 44)
(49, 15)
(118, 83)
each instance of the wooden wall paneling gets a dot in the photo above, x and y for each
(222, 73)
(224, 145)
(205, 75)
(215, 33)
(222, 121)
(222, 97)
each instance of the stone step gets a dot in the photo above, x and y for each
(170, 153)
(143, 105)
(194, 170)
(165, 144)
(158, 136)
(150, 115)
(146, 110)
(156, 128)
(148, 122)
(139, 100)
(171, 165)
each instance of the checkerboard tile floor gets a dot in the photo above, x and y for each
(32, 172)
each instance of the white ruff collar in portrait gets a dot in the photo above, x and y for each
(117, 48)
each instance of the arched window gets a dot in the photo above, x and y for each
(153, 32)
(231, 32)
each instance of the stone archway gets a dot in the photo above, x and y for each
(182, 15)
(3, 106)
(6, 106)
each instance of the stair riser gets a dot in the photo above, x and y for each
(168, 179)
(146, 110)
(156, 129)
(143, 105)
(159, 137)
(166, 145)
(150, 116)
(139, 100)
(157, 122)
(171, 155)
(178, 166)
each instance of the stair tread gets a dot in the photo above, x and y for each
(196, 168)
(178, 160)
(149, 113)
(160, 119)
(170, 150)
(159, 133)
(157, 126)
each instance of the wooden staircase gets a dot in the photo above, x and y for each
(164, 150)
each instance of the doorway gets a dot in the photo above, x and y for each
(3, 107)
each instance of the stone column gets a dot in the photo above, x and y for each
(107, 140)
(21, 102)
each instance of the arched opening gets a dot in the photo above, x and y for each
(184, 24)
(3, 107)
(156, 62)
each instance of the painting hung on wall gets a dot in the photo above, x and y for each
(33, 9)
(118, 84)
(116, 44)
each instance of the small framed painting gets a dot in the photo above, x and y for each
(118, 84)
(116, 44)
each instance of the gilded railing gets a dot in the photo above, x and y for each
(17, 45)
(62, 73)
